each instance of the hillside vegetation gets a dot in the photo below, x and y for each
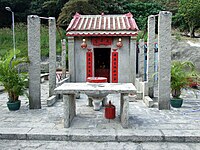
(21, 40)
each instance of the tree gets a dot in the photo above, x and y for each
(141, 11)
(170, 5)
(85, 7)
(53, 7)
(113, 6)
(190, 11)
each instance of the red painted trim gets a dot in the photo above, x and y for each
(100, 34)
(115, 67)
(89, 69)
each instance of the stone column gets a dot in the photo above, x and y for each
(71, 59)
(52, 55)
(124, 110)
(132, 59)
(66, 101)
(164, 59)
(34, 57)
(150, 55)
(69, 109)
(141, 59)
(63, 43)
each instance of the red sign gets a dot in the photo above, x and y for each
(101, 41)
(89, 64)
(114, 67)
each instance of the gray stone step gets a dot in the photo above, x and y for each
(104, 135)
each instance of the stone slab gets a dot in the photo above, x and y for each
(139, 135)
(181, 135)
(14, 133)
(48, 134)
(110, 88)
(96, 135)
(51, 100)
(148, 101)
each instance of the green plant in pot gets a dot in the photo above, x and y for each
(180, 73)
(12, 79)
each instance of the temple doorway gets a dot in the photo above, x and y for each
(102, 62)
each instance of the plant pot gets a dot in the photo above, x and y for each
(14, 105)
(176, 102)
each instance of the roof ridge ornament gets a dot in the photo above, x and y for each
(77, 15)
(129, 14)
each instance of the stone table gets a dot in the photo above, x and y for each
(70, 89)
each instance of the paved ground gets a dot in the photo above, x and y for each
(89, 128)
(66, 145)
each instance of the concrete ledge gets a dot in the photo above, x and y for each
(95, 135)
(51, 100)
(148, 101)
(139, 135)
(103, 135)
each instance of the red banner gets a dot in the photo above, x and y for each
(114, 67)
(88, 64)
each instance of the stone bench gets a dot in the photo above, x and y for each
(69, 90)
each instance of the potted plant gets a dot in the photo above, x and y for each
(12, 79)
(180, 73)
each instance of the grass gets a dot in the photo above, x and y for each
(6, 40)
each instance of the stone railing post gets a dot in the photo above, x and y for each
(63, 43)
(141, 59)
(52, 55)
(150, 55)
(133, 59)
(34, 57)
(71, 59)
(164, 60)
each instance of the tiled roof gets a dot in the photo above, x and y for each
(98, 25)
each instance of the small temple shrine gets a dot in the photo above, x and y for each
(102, 46)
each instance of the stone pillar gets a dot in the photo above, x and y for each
(69, 109)
(141, 59)
(34, 57)
(52, 55)
(164, 59)
(63, 43)
(150, 55)
(132, 59)
(71, 59)
(124, 109)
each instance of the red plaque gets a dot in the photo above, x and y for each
(101, 41)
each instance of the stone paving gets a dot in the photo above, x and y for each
(68, 145)
(145, 124)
